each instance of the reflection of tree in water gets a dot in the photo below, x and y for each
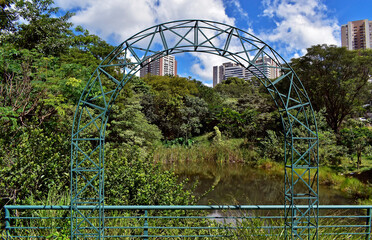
(243, 185)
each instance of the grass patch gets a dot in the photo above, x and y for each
(228, 151)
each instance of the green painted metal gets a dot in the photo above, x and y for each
(188, 207)
(369, 223)
(146, 227)
(32, 222)
(202, 36)
(7, 223)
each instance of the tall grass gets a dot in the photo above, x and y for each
(224, 152)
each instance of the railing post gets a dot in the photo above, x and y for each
(294, 223)
(369, 224)
(7, 222)
(146, 230)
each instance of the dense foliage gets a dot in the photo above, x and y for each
(336, 79)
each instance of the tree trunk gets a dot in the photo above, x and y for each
(359, 161)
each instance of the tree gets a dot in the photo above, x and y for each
(173, 106)
(356, 137)
(210, 95)
(7, 15)
(235, 87)
(24, 98)
(172, 86)
(235, 124)
(86, 42)
(335, 79)
(192, 115)
(40, 30)
(128, 125)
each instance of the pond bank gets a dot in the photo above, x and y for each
(231, 153)
(243, 184)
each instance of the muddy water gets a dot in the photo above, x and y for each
(243, 185)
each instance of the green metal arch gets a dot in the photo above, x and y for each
(298, 119)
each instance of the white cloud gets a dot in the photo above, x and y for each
(117, 20)
(238, 8)
(69, 4)
(204, 63)
(300, 24)
(208, 84)
(168, 10)
(121, 19)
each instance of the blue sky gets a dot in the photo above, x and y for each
(289, 26)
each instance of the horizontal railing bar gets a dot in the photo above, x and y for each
(357, 233)
(40, 218)
(194, 217)
(29, 237)
(187, 217)
(183, 207)
(193, 236)
(139, 211)
(167, 236)
(200, 228)
(34, 228)
(343, 226)
(349, 216)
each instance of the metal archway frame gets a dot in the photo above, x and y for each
(299, 125)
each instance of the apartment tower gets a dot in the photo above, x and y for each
(357, 34)
(166, 65)
(264, 67)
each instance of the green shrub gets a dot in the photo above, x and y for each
(132, 179)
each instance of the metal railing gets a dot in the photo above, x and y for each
(184, 222)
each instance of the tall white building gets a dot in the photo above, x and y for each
(226, 70)
(357, 34)
(264, 67)
(166, 65)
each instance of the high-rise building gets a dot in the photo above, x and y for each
(357, 34)
(226, 70)
(218, 74)
(166, 65)
(263, 67)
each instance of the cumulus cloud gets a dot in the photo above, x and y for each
(300, 24)
(117, 20)
(69, 5)
(236, 6)
(121, 19)
(204, 63)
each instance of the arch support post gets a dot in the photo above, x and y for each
(301, 186)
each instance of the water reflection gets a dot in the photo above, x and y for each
(243, 185)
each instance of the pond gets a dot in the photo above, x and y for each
(244, 185)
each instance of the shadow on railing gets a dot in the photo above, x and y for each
(186, 222)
